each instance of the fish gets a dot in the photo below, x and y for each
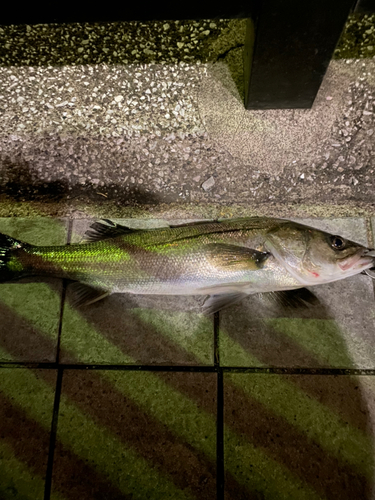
(225, 260)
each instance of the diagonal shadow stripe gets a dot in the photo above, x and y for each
(141, 341)
(188, 468)
(331, 476)
(343, 397)
(23, 452)
(266, 344)
(23, 340)
(35, 437)
(140, 479)
(346, 402)
(18, 482)
(259, 473)
(74, 478)
(203, 393)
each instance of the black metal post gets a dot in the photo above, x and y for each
(288, 48)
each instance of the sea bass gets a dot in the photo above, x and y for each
(226, 259)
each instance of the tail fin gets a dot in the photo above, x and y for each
(10, 267)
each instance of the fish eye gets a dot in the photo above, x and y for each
(338, 243)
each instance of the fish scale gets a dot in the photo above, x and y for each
(123, 265)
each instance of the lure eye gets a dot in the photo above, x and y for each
(337, 243)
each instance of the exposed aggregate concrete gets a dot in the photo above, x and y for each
(109, 43)
(140, 113)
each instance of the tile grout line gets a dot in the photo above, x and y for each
(192, 368)
(70, 231)
(56, 403)
(63, 294)
(53, 433)
(369, 232)
(370, 241)
(216, 341)
(220, 435)
(219, 413)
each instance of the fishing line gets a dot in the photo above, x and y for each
(370, 272)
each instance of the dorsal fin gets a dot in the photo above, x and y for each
(99, 231)
(246, 222)
(194, 223)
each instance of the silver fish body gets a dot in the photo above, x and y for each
(231, 257)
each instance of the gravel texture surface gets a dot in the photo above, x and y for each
(104, 118)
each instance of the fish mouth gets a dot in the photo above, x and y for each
(363, 260)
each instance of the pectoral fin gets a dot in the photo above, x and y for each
(222, 256)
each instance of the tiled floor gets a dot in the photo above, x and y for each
(146, 398)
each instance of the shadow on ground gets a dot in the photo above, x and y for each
(23, 186)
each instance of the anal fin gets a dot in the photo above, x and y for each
(83, 295)
(215, 303)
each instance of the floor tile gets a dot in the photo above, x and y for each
(338, 332)
(30, 312)
(26, 404)
(115, 331)
(128, 329)
(136, 435)
(298, 436)
(373, 229)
